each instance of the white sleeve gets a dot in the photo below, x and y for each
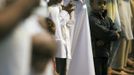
(55, 16)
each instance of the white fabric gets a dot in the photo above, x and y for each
(54, 14)
(71, 24)
(125, 17)
(82, 57)
(88, 5)
(41, 10)
(64, 19)
(15, 49)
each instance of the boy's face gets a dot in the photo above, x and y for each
(100, 5)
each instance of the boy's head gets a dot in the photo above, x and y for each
(98, 5)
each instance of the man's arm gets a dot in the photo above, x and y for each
(11, 15)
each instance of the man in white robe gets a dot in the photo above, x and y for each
(16, 47)
(12, 55)
(32, 26)
(54, 9)
(82, 57)
(54, 14)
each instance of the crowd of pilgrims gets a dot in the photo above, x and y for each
(66, 37)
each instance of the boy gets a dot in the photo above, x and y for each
(103, 32)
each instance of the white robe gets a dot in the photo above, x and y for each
(71, 23)
(82, 57)
(64, 19)
(15, 49)
(54, 14)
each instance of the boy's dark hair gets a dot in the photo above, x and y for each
(50, 25)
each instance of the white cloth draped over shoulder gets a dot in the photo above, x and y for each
(82, 57)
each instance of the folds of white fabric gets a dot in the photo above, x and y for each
(82, 57)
